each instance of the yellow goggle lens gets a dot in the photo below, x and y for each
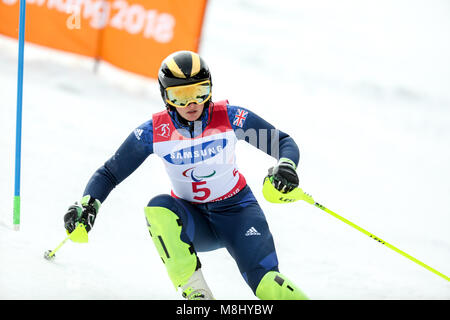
(182, 96)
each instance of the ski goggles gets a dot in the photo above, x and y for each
(182, 96)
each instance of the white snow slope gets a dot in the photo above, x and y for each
(362, 86)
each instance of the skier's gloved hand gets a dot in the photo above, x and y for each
(283, 176)
(84, 213)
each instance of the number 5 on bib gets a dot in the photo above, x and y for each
(195, 189)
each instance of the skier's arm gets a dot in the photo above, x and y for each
(261, 134)
(130, 155)
(258, 132)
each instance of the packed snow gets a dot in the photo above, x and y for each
(362, 86)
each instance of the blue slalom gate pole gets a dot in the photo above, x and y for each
(16, 210)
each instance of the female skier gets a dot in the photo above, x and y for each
(210, 205)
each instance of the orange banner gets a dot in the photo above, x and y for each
(135, 35)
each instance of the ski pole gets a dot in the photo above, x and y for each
(78, 235)
(273, 195)
(50, 254)
(390, 246)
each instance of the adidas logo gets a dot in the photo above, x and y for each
(252, 232)
(138, 133)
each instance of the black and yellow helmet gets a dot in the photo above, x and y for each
(182, 68)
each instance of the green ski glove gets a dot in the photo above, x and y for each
(84, 213)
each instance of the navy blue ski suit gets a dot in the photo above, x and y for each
(236, 223)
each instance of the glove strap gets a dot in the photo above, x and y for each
(289, 161)
(88, 200)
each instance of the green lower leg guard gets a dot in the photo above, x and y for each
(179, 257)
(275, 286)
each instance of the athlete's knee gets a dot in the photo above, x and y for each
(165, 228)
(275, 286)
(253, 277)
(162, 200)
(256, 268)
(165, 203)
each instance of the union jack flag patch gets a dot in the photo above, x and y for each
(239, 117)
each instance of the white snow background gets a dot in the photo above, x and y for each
(362, 86)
